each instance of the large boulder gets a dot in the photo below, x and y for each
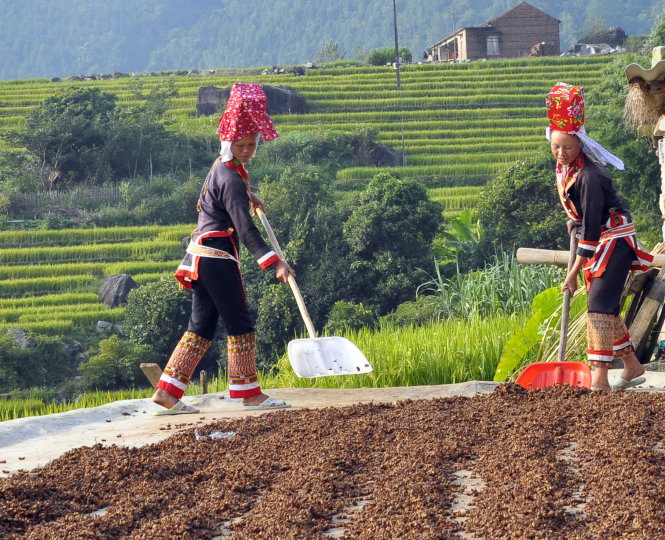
(114, 289)
(385, 156)
(281, 100)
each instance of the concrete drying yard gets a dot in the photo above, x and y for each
(473, 460)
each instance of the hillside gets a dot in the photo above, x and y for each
(456, 124)
(47, 38)
(459, 124)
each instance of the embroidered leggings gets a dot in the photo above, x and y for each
(217, 293)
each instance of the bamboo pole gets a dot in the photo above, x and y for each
(560, 257)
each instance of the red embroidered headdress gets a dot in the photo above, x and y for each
(565, 112)
(565, 108)
(246, 113)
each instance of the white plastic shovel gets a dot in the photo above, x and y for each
(317, 356)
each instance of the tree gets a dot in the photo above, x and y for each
(66, 132)
(328, 53)
(657, 37)
(40, 361)
(520, 207)
(349, 316)
(81, 136)
(308, 225)
(390, 231)
(157, 314)
(116, 365)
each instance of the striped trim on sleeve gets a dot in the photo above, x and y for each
(267, 260)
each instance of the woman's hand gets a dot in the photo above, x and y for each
(256, 202)
(572, 225)
(570, 283)
(283, 271)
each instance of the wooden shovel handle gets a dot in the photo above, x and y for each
(292, 281)
(566, 299)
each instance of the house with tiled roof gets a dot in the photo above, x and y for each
(521, 31)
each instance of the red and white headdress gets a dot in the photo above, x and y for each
(565, 112)
(246, 113)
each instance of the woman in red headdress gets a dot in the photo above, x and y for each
(210, 267)
(607, 248)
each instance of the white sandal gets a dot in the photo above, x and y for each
(269, 403)
(178, 408)
(620, 384)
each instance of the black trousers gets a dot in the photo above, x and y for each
(604, 295)
(219, 293)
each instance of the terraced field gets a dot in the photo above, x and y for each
(456, 124)
(49, 279)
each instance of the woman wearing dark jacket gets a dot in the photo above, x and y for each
(607, 248)
(211, 269)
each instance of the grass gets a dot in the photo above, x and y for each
(439, 353)
(11, 409)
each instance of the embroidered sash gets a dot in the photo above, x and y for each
(616, 227)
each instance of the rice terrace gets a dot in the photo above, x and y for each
(453, 142)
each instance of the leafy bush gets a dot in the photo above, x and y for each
(423, 310)
(116, 364)
(41, 362)
(346, 316)
(165, 200)
(381, 57)
(657, 36)
(157, 314)
(323, 148)
(81, 136)
(521, 208)
(277, 323)
(390, 230)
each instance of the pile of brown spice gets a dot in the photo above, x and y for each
(557, 463)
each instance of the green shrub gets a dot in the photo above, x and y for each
(389, 231)
(116, 364)
(422, 310)
(349, 316)
(521, 208)
(42, 362)
(381, 57)
(157, 314)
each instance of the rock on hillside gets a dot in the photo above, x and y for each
(281, 100)
(115, 288)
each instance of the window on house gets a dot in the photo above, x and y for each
(493, 46)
